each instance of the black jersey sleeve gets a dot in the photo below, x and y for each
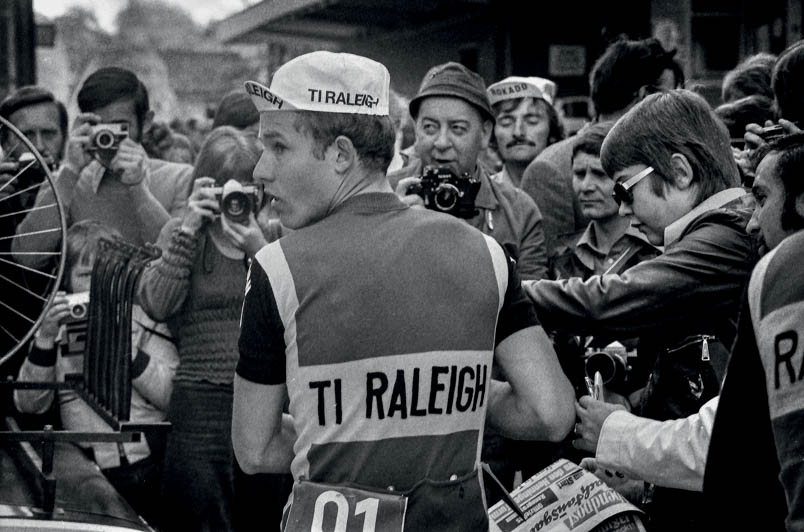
(262, 340)
(517, 312)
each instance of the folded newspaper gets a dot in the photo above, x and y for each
(564, 497)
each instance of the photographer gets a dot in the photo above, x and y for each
(133, 468)
(676, 178)
(454, 122)
(197, 286)
(43, 120)
(108, 176)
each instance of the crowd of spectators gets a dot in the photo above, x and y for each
(666, 226)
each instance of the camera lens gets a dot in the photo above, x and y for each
(78, 311)
(608, 365)
(104, 139)
(236, 206)
(446, 197)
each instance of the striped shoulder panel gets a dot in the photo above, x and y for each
(776, 298)
(500, 263)
(272, 260)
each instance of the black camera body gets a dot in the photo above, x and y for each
(237, 200)
(107, 136)
(444, 191)
(771, 133)
(612, 362)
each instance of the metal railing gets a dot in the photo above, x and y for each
(104, 385)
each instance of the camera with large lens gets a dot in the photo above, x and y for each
(612, 362)
(107, 136)
(237, 200)
(78, 303)
(444, 191)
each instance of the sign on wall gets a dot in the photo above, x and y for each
(567, 60)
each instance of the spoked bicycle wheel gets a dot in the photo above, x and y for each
(25, 292)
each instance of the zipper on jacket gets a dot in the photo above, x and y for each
(705, 348)
(703, 338)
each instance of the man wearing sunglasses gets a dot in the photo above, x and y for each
(678, 182)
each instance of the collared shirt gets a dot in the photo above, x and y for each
(505, 213)
(589, 253)
(582, 256)
(94, 172)
(673, 231)
(503, 177)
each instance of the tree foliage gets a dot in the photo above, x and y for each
(155, 24)
(82, 36)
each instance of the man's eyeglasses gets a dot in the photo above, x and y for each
(622, 190)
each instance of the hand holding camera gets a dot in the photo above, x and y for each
(441, 190)
(130, 162)
(49, 329)
(592, 413)
(236, 202)
(202, 205)
(757, 135)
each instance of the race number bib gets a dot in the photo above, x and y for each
(330, 508)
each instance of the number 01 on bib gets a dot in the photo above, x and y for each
(330, 508)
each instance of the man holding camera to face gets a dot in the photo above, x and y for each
(454, 122)
(106, 174)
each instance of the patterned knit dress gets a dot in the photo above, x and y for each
(199, 291)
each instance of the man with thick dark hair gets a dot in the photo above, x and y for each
(622, 76)
(676, 178)
(106, 177)
(387, 401)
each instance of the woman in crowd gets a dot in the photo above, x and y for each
(197, 286)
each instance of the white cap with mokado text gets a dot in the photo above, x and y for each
(326, 82)
(520, 87)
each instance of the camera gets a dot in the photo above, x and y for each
(78, 304)
(237, 200)
(771, 133)
(612, 362)
(107, 136)
(443, 191)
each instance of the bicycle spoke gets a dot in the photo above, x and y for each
(30, 253)
(6, 261)
(32, 209)
(18, 313)
(7, 183)
(37, 296)
(30, 234)
(8, 333)
(17, 193)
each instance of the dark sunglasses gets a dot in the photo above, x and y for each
(622, 190)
